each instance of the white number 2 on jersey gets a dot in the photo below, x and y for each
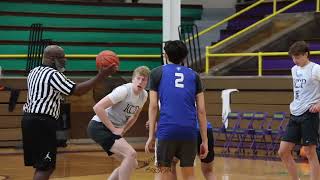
(179, 80)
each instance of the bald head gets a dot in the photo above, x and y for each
(50, 52)
(54, 56)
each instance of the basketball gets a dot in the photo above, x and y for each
(105, 58)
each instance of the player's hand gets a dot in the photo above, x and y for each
(118, 131)
(147, 125)
(203, 150)
(149, 145)
(108, 70)
(315, 108)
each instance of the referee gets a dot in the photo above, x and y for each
(46, 85)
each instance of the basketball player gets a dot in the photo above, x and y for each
(304, 119)
(179, 90)
(206, 163)
(115, 115)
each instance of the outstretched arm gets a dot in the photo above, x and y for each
(84, 87)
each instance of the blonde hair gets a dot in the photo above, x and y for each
(142, 71)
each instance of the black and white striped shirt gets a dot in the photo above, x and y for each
(45, 86)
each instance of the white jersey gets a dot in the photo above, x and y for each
(126, 104)
(306, 87)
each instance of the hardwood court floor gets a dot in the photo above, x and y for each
(95, 166)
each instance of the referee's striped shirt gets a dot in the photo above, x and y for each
(45, 86)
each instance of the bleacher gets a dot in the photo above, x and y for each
(11, 103)
(87, 28)
(259, 12)
(80, 28)
(272, 65)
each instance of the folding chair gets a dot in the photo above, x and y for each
(233, 120)
(218, 129)
(257, 131)
(242, 130)
(275, 129)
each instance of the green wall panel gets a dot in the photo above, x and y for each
(95, 10)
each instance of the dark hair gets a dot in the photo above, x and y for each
(299, 48)
(176, 51)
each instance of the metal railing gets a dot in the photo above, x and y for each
(227, 19)
(260, 56)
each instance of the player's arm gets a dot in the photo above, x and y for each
(147, 126)
(131, 121)
(152, 113)
(202, 116)
(316, 74)
(99, 109)
(201, 111)
(117, 95)
(155, 77)
(85, 86)
(202, 124)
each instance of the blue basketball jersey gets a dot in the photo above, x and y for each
(209, 126)
(177, 93)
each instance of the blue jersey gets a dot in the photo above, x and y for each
(177, 88)
(208, 125)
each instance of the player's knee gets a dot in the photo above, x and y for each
(132, 154)
(44, 166)
(282, 153)
(309, 152)
(132, 162)
(207, 172)
(206, 169)
(45, 170)
(132, 158)
(135, 163)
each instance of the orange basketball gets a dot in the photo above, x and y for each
(105, 58)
